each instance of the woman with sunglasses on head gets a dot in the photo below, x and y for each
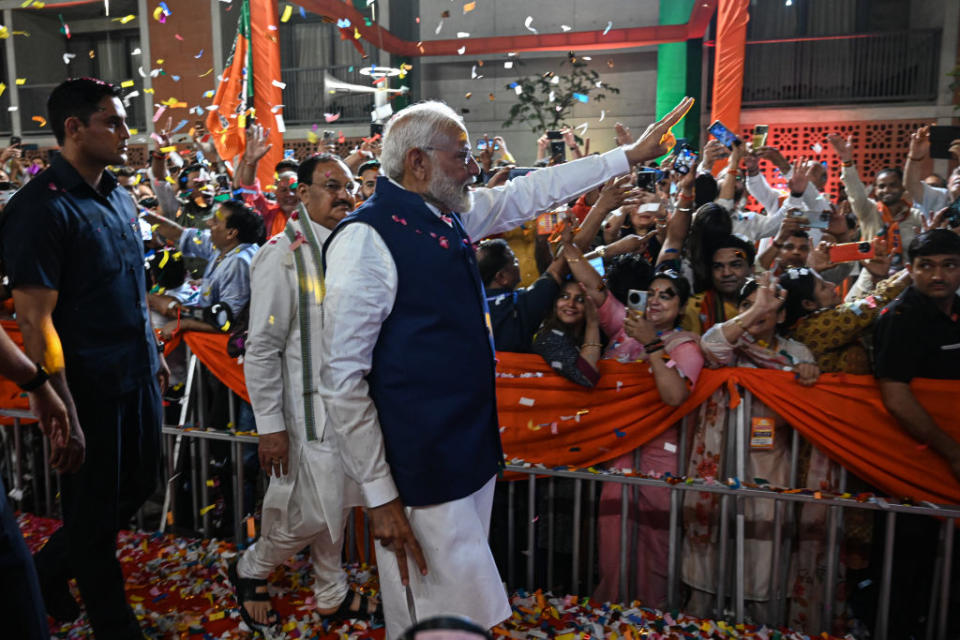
(675, 361)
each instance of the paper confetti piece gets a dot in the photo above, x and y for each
(67, 57)
(670, 447)
(508, 64)
(607, 29)
(463, 34)
(462, 50)
(169, 149)
(468, 7)
(251, 528)
(21, 82)
(287, 12)
(41, 120)
(467, 95)
(528, 22)
(581, 97)
(207, 509)
(343, 23)
(565, 27)
(281, 127)
(603, 114)
(126, 84)
(3, 87)
(527, 402)
(331, 117)
(277, 83)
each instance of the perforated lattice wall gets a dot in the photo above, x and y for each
(877, 144)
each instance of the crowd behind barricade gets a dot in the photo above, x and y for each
(690, 261)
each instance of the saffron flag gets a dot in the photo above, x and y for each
(246, 89)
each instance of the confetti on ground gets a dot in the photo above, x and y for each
(178, 588)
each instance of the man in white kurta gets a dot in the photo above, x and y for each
(308, 497)
(429, 156)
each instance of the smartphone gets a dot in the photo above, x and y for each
(647, 179)
(953, 214)
(597, 264)
(637, 300)
(852, 251)
(15, 141)
(724, 135)
(685, 162)
(516, 172)
(759, 136)
(558, 148)
(940, 139)
(819, 220)
(329, 136)
(376, 129)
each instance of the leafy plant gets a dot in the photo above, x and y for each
(546, 101)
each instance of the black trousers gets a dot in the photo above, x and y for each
(21, 606)
(119, 473)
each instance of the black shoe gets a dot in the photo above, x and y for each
(58, 600)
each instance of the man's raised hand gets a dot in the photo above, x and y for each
(652, 144)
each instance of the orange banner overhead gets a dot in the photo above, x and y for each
(732, 18)
(267, 82)
(549, 420)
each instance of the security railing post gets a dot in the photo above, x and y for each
(195, 485)
(531, 528)
(169, 496)
(511, 535)
(775, 594)
(673, 553)
(204, 489)
(948, 526)
(551, 515)
(238, 512)
(723, 553)
(886, 581)
(575, 563)
(742, 412)
(624, 506)
(835, 517)
(17, 493)
(591, 533)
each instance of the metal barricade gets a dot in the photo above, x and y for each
(584, 548)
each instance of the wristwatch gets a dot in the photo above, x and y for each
(37, 380)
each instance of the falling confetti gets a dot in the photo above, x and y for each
(607, 30)
(528, 22)
(468, 7)
(564, 27)
(461, 50)
(331, 117)
(467, 95)
(508, 64)
(463, 34)
(40, 119)
(287, 12)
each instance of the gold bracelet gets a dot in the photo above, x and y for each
(591, 344)
(573, 259)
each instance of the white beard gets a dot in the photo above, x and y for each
(450, 195)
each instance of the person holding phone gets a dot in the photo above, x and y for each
(652, 336)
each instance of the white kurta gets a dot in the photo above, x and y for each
(362, 286)
(273, 369)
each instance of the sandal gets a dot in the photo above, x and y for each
(362, 612)
(246, 591)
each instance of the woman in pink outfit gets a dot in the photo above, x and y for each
(675, 360)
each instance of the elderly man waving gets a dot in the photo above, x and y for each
(408, 375)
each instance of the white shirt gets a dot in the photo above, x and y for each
(361, 281)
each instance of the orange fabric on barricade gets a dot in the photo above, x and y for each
(547, 419)
(844, 416)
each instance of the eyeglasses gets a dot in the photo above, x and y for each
(335, 187)
(463, 155)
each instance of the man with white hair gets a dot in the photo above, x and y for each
(408, 377)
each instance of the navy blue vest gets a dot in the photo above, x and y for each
(432, 377)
